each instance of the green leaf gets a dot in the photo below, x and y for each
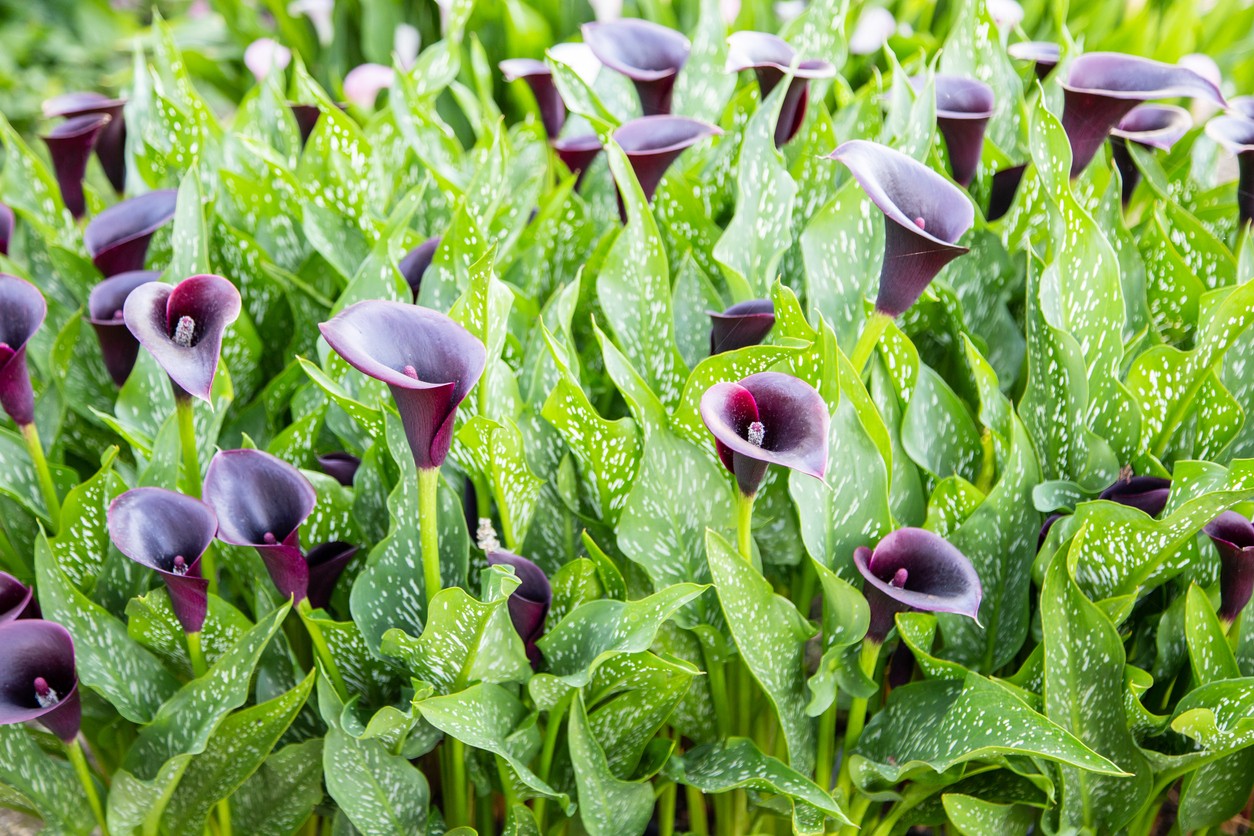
(842, 248)
(975, 817)
(607, 805)
(151, 621)
(47, 785)
(380, 792)
(282, 794)
(82, 542)
(1209, 653)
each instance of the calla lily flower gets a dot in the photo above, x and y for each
(577, 152)
(17, 600)
(1236, 134)
(1006, 14)
(261, 501)
(265, 55)
(652, 143)
(743, 324)
(529, 603)
(340, 466)
(22, 311)
(914, 569)
(963, 108)
(580, 58)
(540, 79)
(117, 239)
(406, 43)
(766, 418)
(1001, 192)
(428, 361)
(649, 54)
(7, 222)
(182, 327)
(326, 563)
(924, 214)
(1150, 126)
(37, 677)
(364, 83)
(1242, 106)
(771, 58)
(874, 27)
(1145, 493)
(1044, 55)
(168, 532)
(1103, 86)
(111, 143)
(321, 14)
(786, 11)
(606, 10)
(104, 311)
(415, 263)
(69, 145)
(1233, 536)
(306, 116)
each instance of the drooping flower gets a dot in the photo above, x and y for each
(924, 215)
(265, 55)
(104, 311)
(261, 501)
(37, 677)
(915, 569)
(577, 152)
(1150, 126)
(649, 54)
(117, 239)
(1044, 55)
(22, 311)
(7, 222)
(111, 143)
(364, 83)
(1103, 86)
(326, 563)
(874, 27)
(766, 418)
(652, 143)
(743, 324)
(168, 532)
(771, 58)
(413, 265)
(1236, 134)
(1233, 536)
(529, 603)
(69, 145)
(340, 466)
(963, 108)
(17, 600)
(428, 361)
(540, 79)
(182, 327)
(1145, 493)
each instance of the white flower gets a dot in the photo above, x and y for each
(875, 26)
(607, 10)
(320, 13)
(579, 58)
(266, 54)
(406, 42)
(364, 82)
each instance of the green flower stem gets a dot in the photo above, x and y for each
(868, 339)
(187, 443)
(666, 809)
(321, 648)
(428, 522)
(75, 752)
(744, 525)
(1234, 632)
(485, 821)
(224, 817)
(197, 655)
(825, 761)
(857, 717)
(507, 784)
(698, 822)
(551, 730)
(46, 486)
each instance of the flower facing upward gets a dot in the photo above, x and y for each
(915, 569)
(652, 143)
(69, 145)
(413, 265)
(104, 311)
(111, 142)
(117, 239)
(1150, 126)
(766, 418)
(963, 108)
(540, 79)
(428, 361)
(22, 311)
(649, 54)
(1233, 536)
(1044, 55)
(771, 58)
(168, 532)
(37, 677)
(529, 603)
(1236, 135)
(741, 325)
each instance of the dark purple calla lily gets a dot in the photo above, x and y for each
(1236, 134)
(428, 361)
(529, 603)
(577, 152)
(540, 79)
(963, 108)
(649, 54)
(306, 116)
(1103, 86)
(37, 677)
(415, 263)
(104, 312)
(1044, 55)
(117, 239)
(766, 418)
(652, 143)
(771, 57)
(924, 214)
(182, 327)
(1233, 536)
(326, 563)
(914, 569)
(168, 532)
(17, 600)
(111, 143)
(1001, 194)
(1150, 126)
(69, 145)
(340, 466)
(22, 311)
(743, 324)
(261, 501)
(7, 222)
(1146, 493)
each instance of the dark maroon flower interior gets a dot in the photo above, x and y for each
(255, 494)
(741, 325)
(31, 650)
(117, 239)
